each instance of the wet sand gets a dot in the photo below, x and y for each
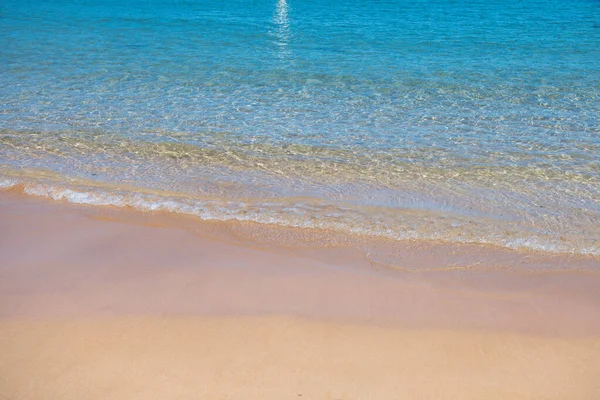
(107, 303)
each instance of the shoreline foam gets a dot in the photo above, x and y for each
(310, 213)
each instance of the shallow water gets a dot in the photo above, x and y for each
(466, 122)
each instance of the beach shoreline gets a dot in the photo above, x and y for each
(285, 199)
(100, 302)
(102, 254)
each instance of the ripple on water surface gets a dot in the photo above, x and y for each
(463, 121)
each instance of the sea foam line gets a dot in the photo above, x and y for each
(296, 215)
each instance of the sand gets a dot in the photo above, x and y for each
(285, 358)
(99, 303)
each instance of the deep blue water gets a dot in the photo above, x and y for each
(464, 121)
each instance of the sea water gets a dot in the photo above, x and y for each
(448, 120)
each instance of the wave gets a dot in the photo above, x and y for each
(389, 223)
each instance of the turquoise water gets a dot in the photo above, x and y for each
(460, 121)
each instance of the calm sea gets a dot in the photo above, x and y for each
(464, 121)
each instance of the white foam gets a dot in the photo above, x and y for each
(73, 196)
(7, 183)
(297, 215)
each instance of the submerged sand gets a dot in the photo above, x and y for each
(104, 303)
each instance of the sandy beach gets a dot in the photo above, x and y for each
(285, 358)
(284, 199)
(107, 303)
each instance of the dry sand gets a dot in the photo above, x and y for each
(108, 304)
(285, 358)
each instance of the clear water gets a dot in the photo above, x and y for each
(461, 121)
